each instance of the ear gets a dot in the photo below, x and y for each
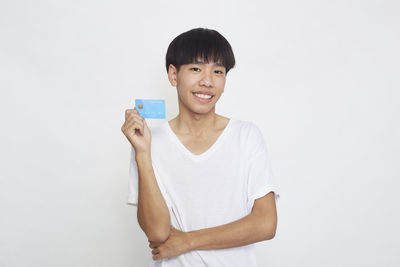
(172, 75)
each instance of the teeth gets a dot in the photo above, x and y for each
(203, 96)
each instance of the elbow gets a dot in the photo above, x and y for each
(155, 232)
(158, 233)
(159, 236)
(270, 234)
(270, 229)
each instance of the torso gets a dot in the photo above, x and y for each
(199, 145)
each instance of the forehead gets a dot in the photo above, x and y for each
(201, 61)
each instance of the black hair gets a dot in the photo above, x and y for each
(203, 43)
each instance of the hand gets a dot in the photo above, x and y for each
(176, 244)
(136, 130)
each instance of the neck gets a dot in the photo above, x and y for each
(196, 124)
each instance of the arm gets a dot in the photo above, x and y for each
(259, 225)
(153, 214)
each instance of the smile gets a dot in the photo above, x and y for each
(202, 97)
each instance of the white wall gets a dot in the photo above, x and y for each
(320, 78)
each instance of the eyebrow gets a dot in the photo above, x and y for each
(202, 63)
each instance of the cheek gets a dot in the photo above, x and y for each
(185, 82)
(221, 85)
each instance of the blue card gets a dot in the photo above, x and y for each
(151, 108)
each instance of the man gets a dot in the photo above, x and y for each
(202, 182)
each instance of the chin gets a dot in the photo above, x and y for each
(203, 111)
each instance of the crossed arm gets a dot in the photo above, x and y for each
(259, 225)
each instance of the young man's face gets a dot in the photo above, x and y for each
(196, 82)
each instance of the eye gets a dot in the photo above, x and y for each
(219, 72)
(195, 69)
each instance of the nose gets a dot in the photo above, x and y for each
(206, 79)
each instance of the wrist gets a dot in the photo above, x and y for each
(140, 156)
(190, 238)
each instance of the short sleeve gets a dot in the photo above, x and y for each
(260, 177)
(133, 180)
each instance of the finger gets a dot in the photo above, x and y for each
(133, 111)
(153, 245)
(134, 115)
(136, 111)
(156, 244)
(132, 118)
(136, 126)
(139, 129)
(137, 121)
(140, 122)
(132, 122)
(128, 112)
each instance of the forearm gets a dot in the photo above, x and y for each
(153, 214)
(245, 231)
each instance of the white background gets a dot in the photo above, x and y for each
(320, 78)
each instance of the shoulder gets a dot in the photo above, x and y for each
(248, 129)
(251, 136)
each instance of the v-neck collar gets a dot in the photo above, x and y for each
(206, 153)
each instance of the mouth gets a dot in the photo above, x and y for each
(204, 97)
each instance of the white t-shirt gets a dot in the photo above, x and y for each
(214, 188)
